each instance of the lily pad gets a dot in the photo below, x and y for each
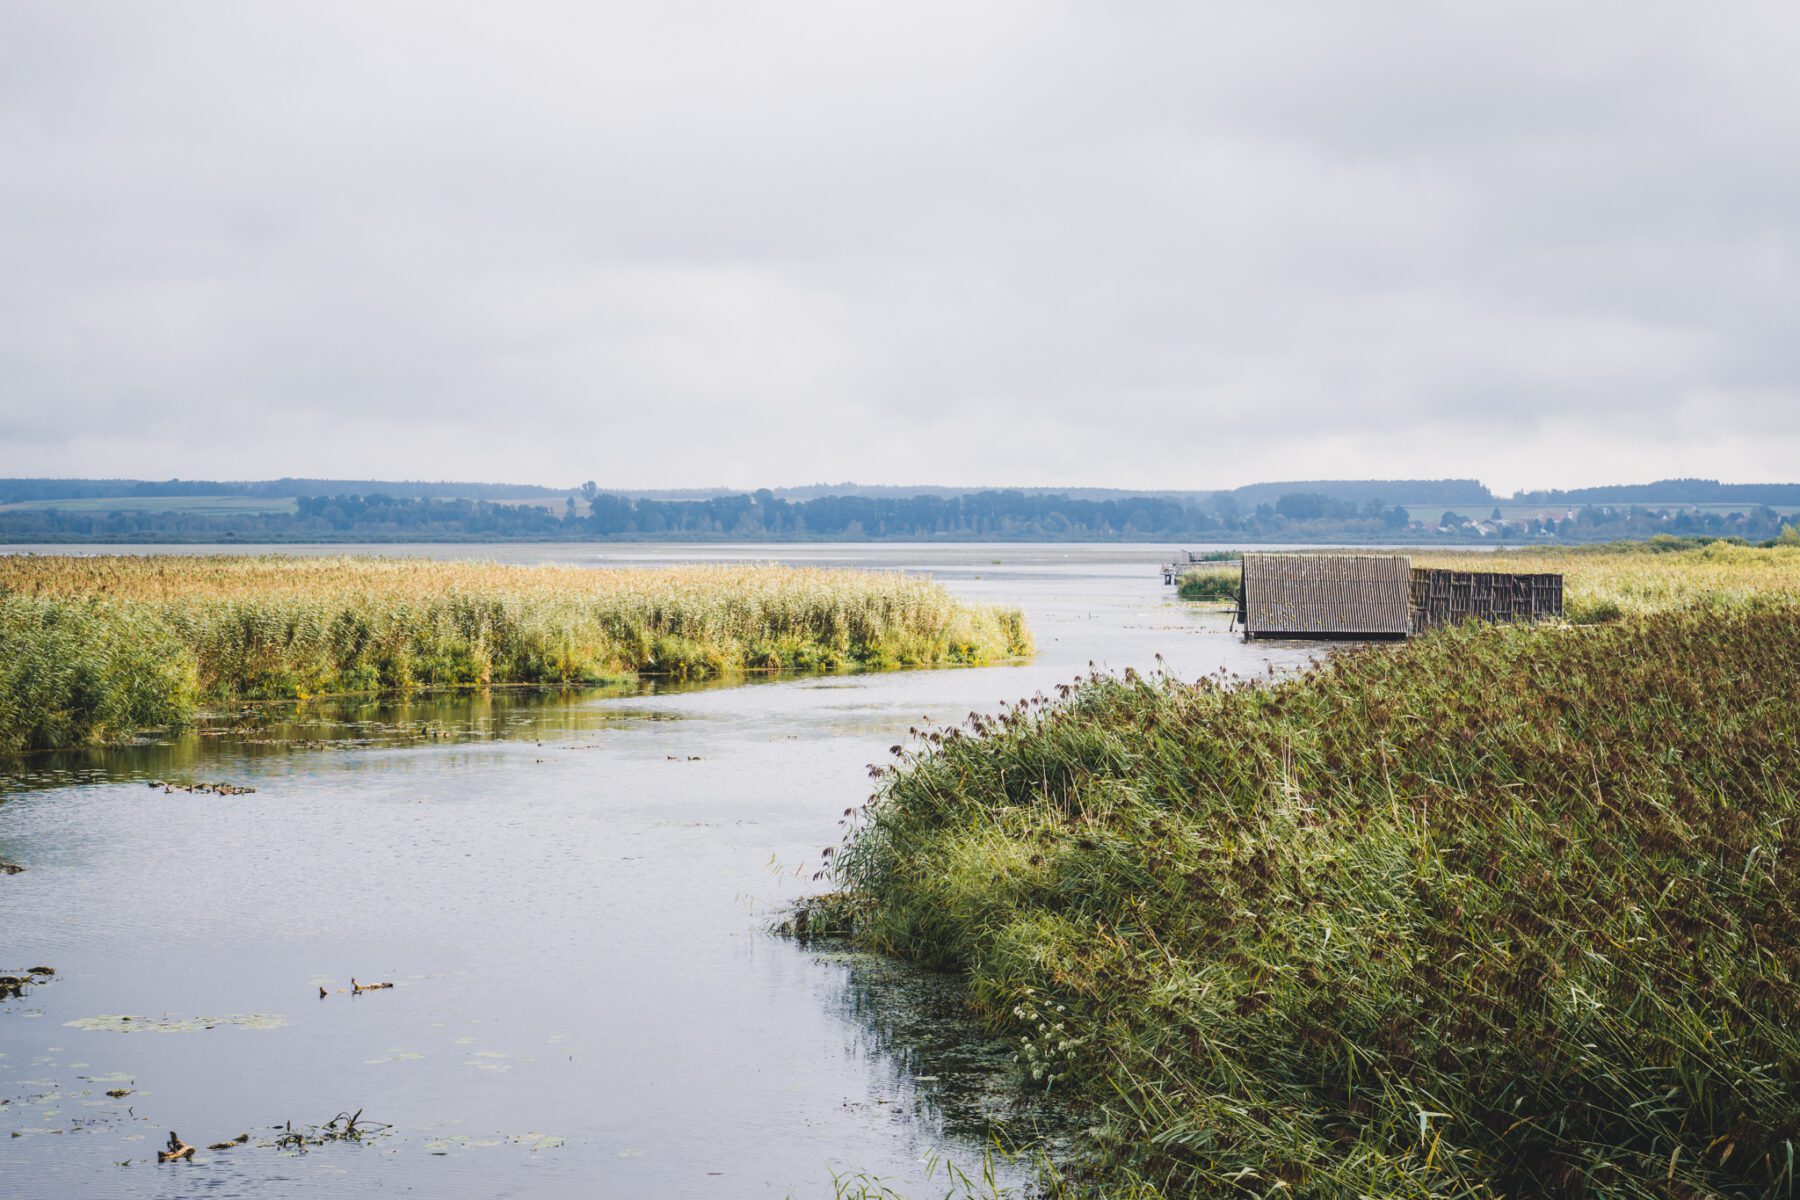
(114, 1023)
(395, 1056)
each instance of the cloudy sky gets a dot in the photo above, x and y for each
(670, 244)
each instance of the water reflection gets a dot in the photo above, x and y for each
(570, 891)
(919, 1026)
(219, 740)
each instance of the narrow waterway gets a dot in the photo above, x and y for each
(571, 895)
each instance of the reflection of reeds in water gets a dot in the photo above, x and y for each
(992, 1139)
(94, 648)
(1505, 911)
(227, 741)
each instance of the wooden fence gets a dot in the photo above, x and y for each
(1446, 597)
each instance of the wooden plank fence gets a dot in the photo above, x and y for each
(1446, 597)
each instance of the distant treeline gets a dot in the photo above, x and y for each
(15, 491)
(980, 516)
(1421, 493)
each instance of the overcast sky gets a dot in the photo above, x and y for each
(669, 244)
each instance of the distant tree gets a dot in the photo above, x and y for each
(589, 490)
(1303, 506)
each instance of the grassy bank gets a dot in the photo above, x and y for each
(1601, 583)
(1506, 911)
(94, 648)
(1604, 583)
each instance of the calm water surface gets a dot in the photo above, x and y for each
(571, 894)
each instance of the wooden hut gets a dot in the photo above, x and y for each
(1326, 595)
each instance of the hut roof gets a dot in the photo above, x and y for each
(1343, 594)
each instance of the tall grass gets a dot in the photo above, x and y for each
(1506, 911)
(1604, 583)
(1208, 583)
(91, 648)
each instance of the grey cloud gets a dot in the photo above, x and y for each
(694, 243)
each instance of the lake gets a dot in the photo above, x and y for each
(572, 894)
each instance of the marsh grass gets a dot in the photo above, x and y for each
(1506, 911)
(92, 648)
(1208, 583)
(1607, 582)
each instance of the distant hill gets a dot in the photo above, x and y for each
(1361, 491)
(906, 491)
(1669, 491)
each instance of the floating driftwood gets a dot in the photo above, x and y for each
(13, 986)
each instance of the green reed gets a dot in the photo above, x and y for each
(1505, 911)
(95, 648)
(1208, 583)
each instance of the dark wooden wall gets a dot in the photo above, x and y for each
(1446, 597)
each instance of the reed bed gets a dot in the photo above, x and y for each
(1208, 583)
(1604, 582)
(1505, 911)
(1607, 582)
(92, 648)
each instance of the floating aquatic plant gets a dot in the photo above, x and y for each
(116, 1023)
